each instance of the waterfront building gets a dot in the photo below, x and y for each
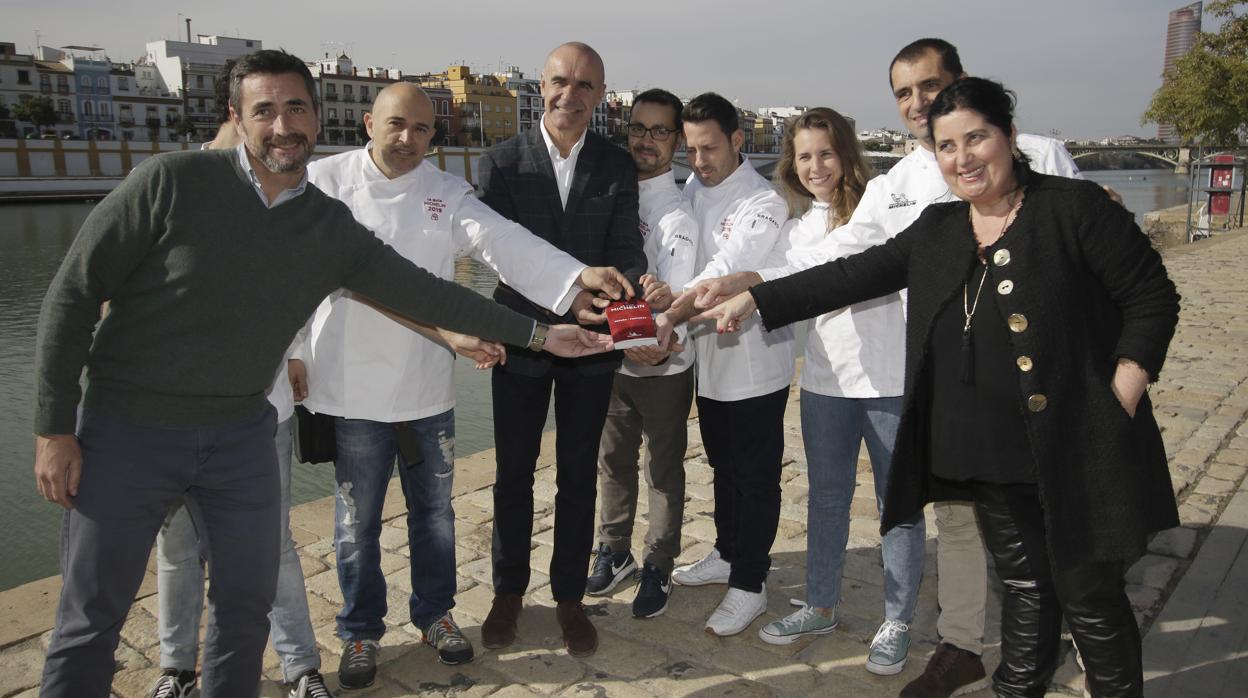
(446, 117)
(143, 112)
(346, 93)
(528, 93)
(486, 108)
(765, 140)
(56, 82)
(1181, 29)
(93, 102)
(187, 70)
(780, 117)
(18, 83)
(747, 119)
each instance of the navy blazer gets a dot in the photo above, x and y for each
(1087, 288)
(599, 226)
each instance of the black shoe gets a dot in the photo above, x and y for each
(653, 592)
(358, 668)
(609, 570)
(310, 685)
(174, 684)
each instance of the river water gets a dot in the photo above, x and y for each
(33, 239)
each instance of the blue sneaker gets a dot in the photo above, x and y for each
(610, 568)
(889, 648)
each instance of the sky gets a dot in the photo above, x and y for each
(1081, 69)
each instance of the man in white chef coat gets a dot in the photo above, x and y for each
(743, 379)
(388, 382)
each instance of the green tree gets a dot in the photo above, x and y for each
(184, 128)
(439, 133)
(1205, 94)
(36, 110)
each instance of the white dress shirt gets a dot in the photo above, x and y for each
(564, 167)
(670, 234)
(739, 222)
(362, 364)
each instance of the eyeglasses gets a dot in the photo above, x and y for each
(658, 133)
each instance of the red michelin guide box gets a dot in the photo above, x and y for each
(631, 324)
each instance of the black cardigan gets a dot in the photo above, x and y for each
(1088, 288)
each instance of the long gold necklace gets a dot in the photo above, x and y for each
(968, 306)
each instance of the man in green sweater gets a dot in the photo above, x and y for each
(211, 261)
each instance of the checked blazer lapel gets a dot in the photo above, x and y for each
(539, 160)
(585, 164)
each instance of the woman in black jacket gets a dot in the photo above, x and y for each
(1037, 315)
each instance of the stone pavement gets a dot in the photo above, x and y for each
(1197, 640)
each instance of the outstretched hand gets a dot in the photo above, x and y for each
(729, 315)
(608, 280)
(655, 292)
(712, 292)
(571, 341)
(588, 308)
(484, 353)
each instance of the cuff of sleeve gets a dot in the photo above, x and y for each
(54, 420)
(773, 273)
(565, 302)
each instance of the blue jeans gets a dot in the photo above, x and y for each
(367, 452)
(180, 580)
(832, 429)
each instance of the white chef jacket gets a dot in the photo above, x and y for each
(852, 352)
(670, 236)
(893, 201)
(362, 364)
(739, 222)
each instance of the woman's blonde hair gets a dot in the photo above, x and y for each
(855, 170)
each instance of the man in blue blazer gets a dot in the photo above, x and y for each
(575, 190)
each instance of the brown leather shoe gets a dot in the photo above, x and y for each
(579, 635)
(952, 671)
(499, 629)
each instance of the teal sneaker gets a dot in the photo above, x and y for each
(807, 620)
(889, 648)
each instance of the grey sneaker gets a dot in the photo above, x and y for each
(445, 636)
(174, 684)
(805, 621)
(358, 667)
(310, 685)
(889, 648)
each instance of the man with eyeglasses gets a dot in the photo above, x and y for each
(654, 387)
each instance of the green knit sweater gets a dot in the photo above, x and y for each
(207, 288)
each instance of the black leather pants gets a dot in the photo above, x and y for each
(1092, 598)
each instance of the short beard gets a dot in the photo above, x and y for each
(277, 167)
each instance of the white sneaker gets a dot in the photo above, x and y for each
(711, 569)
(735, 613)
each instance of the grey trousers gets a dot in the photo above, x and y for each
(656, 409)
(131, 476)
